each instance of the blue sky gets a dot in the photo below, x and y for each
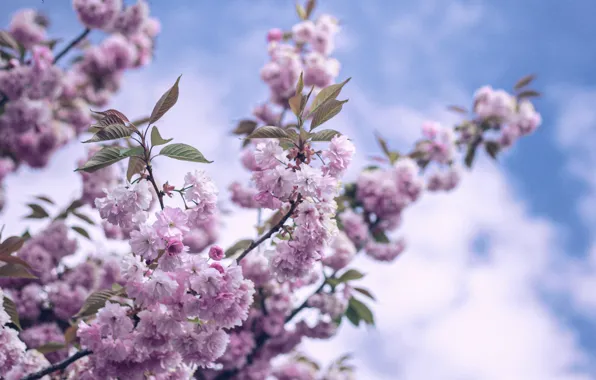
(534, 211)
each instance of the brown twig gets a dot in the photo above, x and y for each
(58, 366)
(72, 44)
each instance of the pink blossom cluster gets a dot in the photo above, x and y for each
(306, 49)
(15, 360)
(179, 305)
(512, 116)
(284, 180)
(44, 105)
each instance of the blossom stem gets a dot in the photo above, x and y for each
(273, 230)
(152, 180)
(72, 44)
(58, 366)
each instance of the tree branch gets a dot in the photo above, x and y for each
(152, 180)
(72, 44)
(58, 366)
(273, 230)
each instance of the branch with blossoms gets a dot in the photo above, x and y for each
(44, 105)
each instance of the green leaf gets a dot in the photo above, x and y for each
(156, 138)
(111, 132)
(300, 84)
(140, 121)
(50, 347)
(362, 310)
(245, 127)
(470, 155)
(83, 217)
(528, 94)
(238, 246)
(310, 6)
(105, 157)
(184, 152)
(492, 148)
(167, 101)
(45, 199)
(326, 112)
(523, 82)
(11, 310)
(268, 132)
(10, 245)
(135, 166)
(297, 103)
(457, 109)
(383, 144)
(116, 287)
(15, 260)
(366, 292)
(37, 212)
(136, 151)
(81, 231)
(113, 113)
(326, 94)
(70, 335)
(94, 302)
(324, 135)
(350, 275)
(300, 11)
(380, 236)
(353, 315)
(15, 271)
(7, 40)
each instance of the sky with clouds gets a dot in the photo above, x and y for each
(499, 276)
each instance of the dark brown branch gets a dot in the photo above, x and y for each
(273, 230)
(305, 303)
(72, 44)
(157, 191)
(58, 366)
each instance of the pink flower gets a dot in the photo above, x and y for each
(216, 253)
(274, 34)
(171, 223)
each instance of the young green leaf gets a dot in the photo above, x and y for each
(135, 166)
(324, 135)
(83, 217)
(156, 138)
(111, 132)
(238, 246)
(167, 101)
(350, 275)
(300, 84)
(492, 148)
(105, 157)
(94, 302)
(11, 244)
(353, 315)
(7, 40)
(184, 152)
(326, 94)
(136, 151)
(70, 335)
(45, 199)
(362, 310)
(457, 109)
(245, 127)
(366, 292)
(528, 94)
(81, 231)
(297, 103)
(523, 82)
(15, 271)
(383, 144)
(326, 112)
(300, 11)
(11, 310)
(470, 155)
(37, 212)
(310, 6)
(268, 132)
(50, 347)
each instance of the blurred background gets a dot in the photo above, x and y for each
(499, 277)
